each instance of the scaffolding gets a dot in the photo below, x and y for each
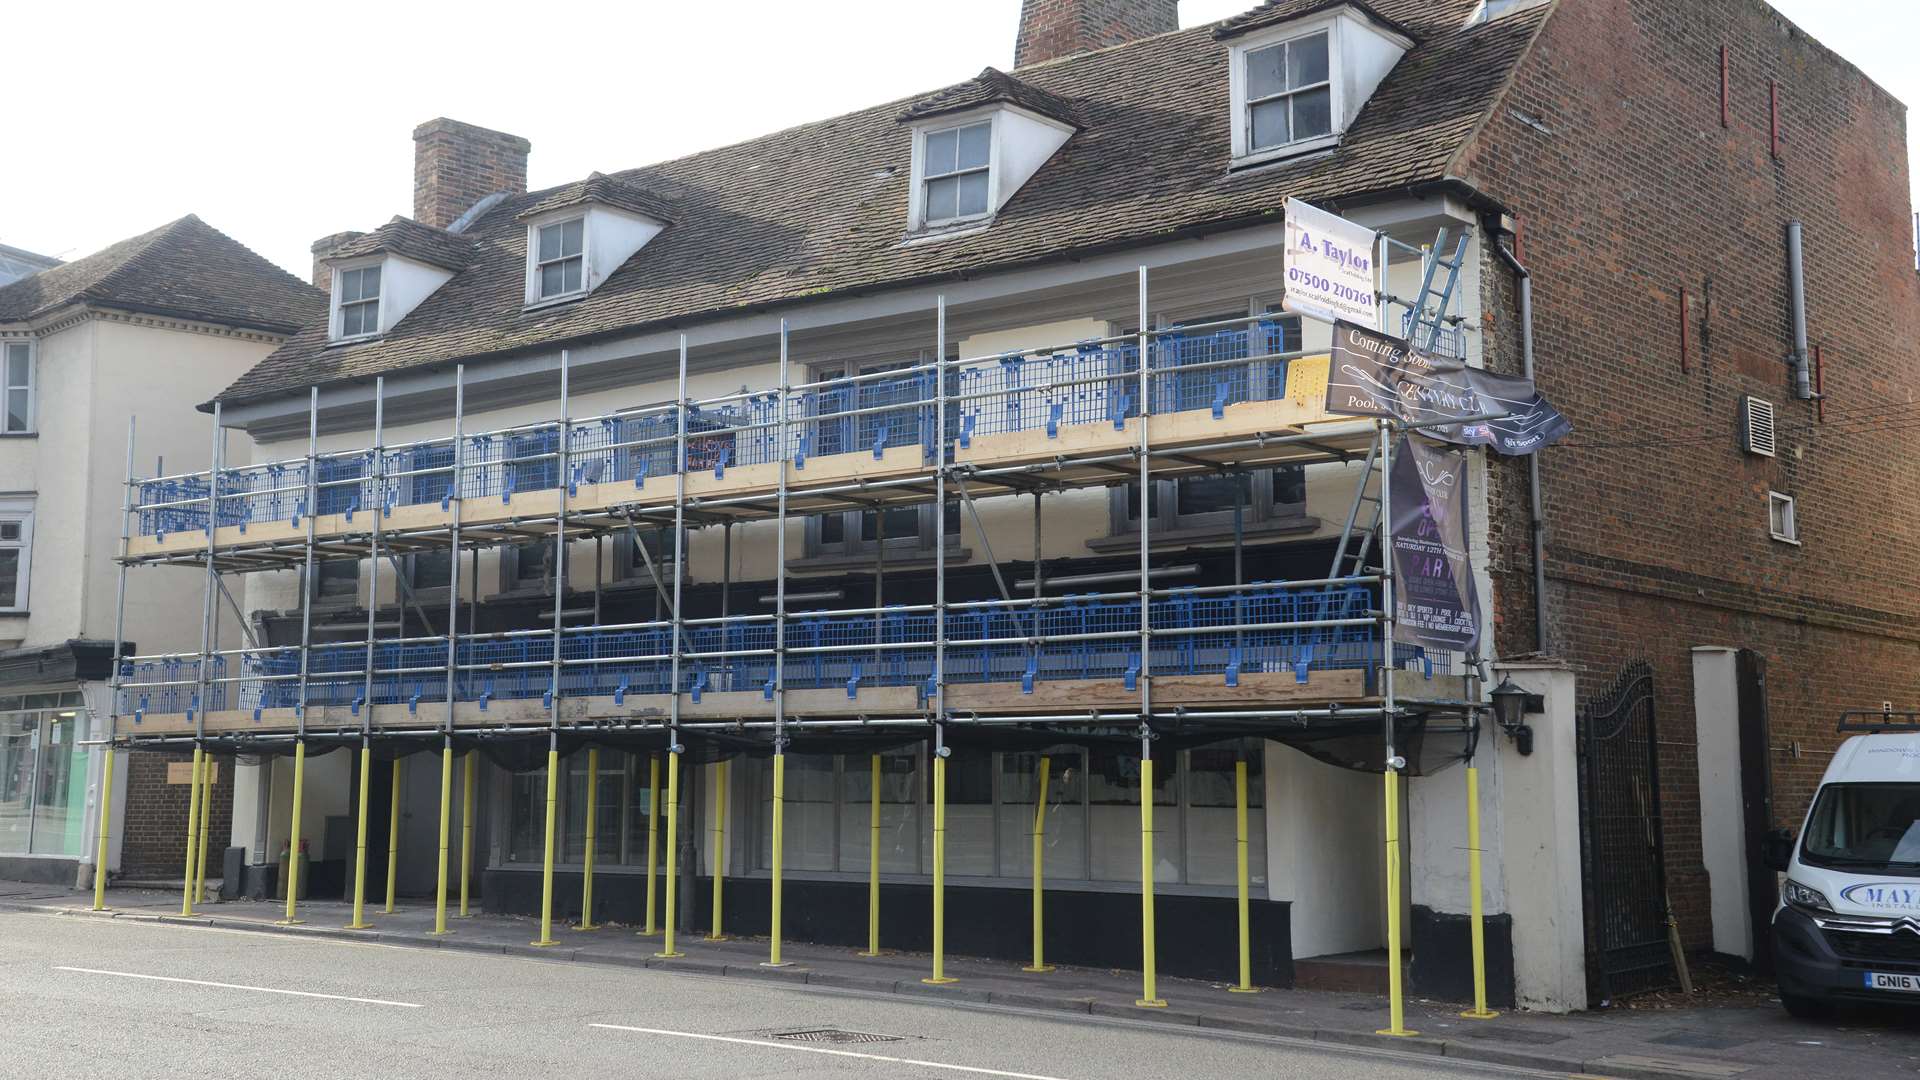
(1138, 662)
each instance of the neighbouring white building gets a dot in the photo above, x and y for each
(170, 316)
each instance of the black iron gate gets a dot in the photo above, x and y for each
(1623, 856)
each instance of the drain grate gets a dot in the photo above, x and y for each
(835, 1035)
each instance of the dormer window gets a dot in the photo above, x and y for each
(1289, 93)
(560, 259)
(959, 166)
(1298, 84)
(358, 298)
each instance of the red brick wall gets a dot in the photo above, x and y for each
(456, 165)
(1610, 146)
(1055, 28)
(155, 846)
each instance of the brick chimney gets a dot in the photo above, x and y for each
(1055, 28)
(456, 165)
(323, 250)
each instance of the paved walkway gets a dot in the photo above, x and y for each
(1755, 1043)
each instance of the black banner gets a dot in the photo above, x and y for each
(1530, 424)
(1434, 600)
(1373, 374)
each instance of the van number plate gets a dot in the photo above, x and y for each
(1885, 980)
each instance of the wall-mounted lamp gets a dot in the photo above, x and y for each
(1511, 707)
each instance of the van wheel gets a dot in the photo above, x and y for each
(1805, 1008)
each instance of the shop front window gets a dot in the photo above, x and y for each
(620, 811)
(43, 775)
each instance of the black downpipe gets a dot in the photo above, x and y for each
(1536, 514)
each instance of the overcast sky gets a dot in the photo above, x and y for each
(279, 124)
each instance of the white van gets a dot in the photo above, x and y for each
(1848, 924)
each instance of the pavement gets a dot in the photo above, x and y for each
(1747, 1041)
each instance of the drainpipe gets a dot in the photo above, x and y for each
(1797, 287)
(1536, 515)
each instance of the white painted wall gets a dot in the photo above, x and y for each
(1540, 854)
(1325, 852)
(1716, 725)
(1438, 837)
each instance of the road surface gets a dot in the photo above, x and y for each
(123, 999)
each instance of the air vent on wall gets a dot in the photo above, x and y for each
(1756, 426)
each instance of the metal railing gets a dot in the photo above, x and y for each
(1205, 367)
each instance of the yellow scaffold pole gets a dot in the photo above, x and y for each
(1479, 1010)
(593, 838)
(546, 878)
(393, 838)
(673, 848)
(779, 848)
(653, 840)
(1396, 1000)
(207, 772)
(293, 843)
(446, 836)
(360, 843)
(193, 831)
(1149, 981)
(466, 829)
(719, 856)
(939, 869)
(1039, 893)
(1240, 868)
(106, 828)
(873, 858)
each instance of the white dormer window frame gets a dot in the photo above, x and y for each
(1019, 143)
(537, 265)
(949, 156)
(1245, 99)
(342, 308)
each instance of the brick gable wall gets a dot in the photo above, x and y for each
(1610, 147)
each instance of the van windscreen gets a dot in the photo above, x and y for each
(1872, 828)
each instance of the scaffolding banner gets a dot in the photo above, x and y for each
(1329, 265)
(1531, 423)
(1434, 601)
(1374, 374)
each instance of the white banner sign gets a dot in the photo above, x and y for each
(1329, 266)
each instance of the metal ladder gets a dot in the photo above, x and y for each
(1429, 312)
(1351, 556)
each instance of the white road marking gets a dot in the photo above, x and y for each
(237, 986)
(825, 1050)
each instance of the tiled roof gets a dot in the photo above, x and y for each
(990, 87)
(822, 208)
(186, 269)
(1279, 11)
(601, 188)
(415, 240)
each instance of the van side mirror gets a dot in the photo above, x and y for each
(1776, 849)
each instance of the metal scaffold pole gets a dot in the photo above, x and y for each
(782, 456)
(592, 840)
(939, 695)
(104, 801)
(365, 704)
(554, 684)
(1149, 984)
(681, 411)
(1241, 878)
(453, 671)
(1390, 771)
(1479, 1010)
(307, 586)
(719, 852)
(1039, 964)
(198, 807)
(873, 857)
